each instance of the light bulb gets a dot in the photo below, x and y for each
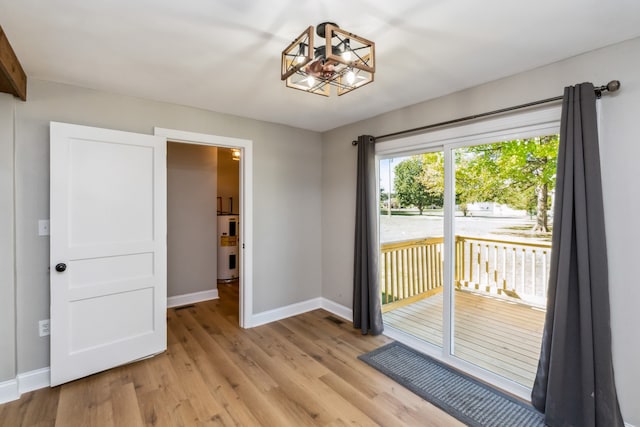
(311, 81)
(346, 55)
(351, 77)
(299, 59)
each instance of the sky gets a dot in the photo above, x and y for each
(384, 172)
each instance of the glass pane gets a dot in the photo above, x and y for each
(411, 237)
(504, 196)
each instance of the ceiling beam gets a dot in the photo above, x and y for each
(13, 80)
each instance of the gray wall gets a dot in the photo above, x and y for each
(620, 153)
(7, 285)
(287, 198)
(192, 174)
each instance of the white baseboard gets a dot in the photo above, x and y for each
(284, 312)
(34, 380)
(9, 391)
(299, 308)
(337, 309)
(192, 298)
(24, 383)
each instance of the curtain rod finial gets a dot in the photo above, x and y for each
(354, 142)
(613, 85)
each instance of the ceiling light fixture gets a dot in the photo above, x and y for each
(344, 60)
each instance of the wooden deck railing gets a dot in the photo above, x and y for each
(515, 269)
(412, 270)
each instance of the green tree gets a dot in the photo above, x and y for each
(432, 176)
(418, 183)
(520, 173)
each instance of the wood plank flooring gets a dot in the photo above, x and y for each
(500, 336)
(300, 371)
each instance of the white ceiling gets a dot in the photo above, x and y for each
(224, 55)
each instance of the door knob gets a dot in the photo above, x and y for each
(61, 267)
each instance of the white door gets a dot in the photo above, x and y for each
(108, 249)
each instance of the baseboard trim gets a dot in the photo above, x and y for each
(276, 314)
(337, 309)
(283, 312)
(34, 380)
(192, 298)
(29, 381)
(9, 391)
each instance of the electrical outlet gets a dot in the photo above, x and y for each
(43, 327)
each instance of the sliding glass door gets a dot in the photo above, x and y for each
(412, 243)
(503, 246)
(465, 245)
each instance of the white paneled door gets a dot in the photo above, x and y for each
(108, 249)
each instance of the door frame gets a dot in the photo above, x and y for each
(246, 206)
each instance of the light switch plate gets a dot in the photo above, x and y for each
(43, 328)
(43, 227)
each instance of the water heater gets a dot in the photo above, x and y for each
(228, 227)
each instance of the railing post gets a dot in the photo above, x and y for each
(396, 287)
(458, 262)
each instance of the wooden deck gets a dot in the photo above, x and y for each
(497, 335)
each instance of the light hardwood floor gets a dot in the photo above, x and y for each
(301, 371)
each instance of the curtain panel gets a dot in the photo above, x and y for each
(367, 308)
(574, 385)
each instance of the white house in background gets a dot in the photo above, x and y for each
(494, 209)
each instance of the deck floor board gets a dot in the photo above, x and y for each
(500, 336)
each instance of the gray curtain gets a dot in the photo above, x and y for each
(574, 385)
(367, 313)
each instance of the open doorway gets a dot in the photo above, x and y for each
(228, 221)
(203, 189)
(208, 145)
(191, 223)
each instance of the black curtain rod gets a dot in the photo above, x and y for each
(612, 86)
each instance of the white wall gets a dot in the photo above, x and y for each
(620, 153)
(7, 286)
(192, 174)
(287, 199)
